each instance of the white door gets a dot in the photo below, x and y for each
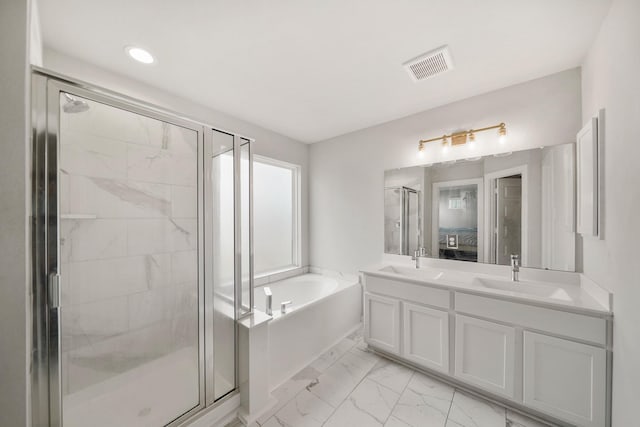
(485, 354)
(508, 219)
(382, 322)
(426, 337)
(565, 379)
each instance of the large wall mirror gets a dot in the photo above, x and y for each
(486, 209)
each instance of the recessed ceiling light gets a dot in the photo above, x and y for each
(140, 54)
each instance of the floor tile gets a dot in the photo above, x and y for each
(391, 375)
(358, 338)
(305, 410)
(369, 404)
(366, 354)
(469, 411)
(394, 422)
(425, 402)
(337, 382)
(348, 415)
(332, 355)
(516, 420)
(272, 422)
(289, 389)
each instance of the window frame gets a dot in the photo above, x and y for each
(296, 216)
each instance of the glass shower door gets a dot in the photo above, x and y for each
(127, 187)
(229, 259)
(220, 247)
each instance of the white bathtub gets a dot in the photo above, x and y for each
(324, 310)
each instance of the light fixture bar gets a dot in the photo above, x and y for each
(462, 136)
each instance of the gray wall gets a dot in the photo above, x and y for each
(14, 205)
(347, 172)
(611, 80)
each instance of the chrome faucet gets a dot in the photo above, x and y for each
(420, 252)
(515, 267)
(283, 306)
(269, 296)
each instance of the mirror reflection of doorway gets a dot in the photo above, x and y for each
(457, 220)
(507, 220)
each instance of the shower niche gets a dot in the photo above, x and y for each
(143, 259)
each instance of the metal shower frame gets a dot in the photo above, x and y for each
(45, 373)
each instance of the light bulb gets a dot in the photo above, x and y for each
(472, 141)
(502, 134)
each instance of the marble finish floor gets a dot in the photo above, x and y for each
(349, 386)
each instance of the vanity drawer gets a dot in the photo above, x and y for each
(587, 328)
(409, 291)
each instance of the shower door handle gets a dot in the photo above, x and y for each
(54, 290)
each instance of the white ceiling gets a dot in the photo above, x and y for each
(314, 69)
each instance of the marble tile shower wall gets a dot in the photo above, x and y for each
(128, 203)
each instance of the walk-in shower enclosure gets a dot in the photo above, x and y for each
(142, 259)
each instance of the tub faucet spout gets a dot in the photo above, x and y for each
(283, 306)
(269, 296)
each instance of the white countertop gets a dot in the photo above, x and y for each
(558, 290)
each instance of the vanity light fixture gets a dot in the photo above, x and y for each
(139, 54)
(460, 138)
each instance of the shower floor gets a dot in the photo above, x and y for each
(150, 395)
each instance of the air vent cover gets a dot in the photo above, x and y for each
(430, 64)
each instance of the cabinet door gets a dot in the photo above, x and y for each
(426, 337)
(382, 322)
(485, 354)
(565, 379)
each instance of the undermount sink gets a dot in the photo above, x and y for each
(427, 273)
(537, 289)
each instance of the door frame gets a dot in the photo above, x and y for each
(490, 214)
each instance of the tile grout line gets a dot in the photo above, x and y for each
(305, 387)
(413, 373)
(386, 387)
(354, 387)
(446, 420)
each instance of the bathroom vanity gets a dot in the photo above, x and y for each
(541, 345)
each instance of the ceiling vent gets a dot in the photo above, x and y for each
(430, 64)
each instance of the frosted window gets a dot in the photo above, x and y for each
(275, 215)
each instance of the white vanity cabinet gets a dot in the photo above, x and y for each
(426, 336)
(382, 322)
(485, 355)
(565, 379)
(548, 359)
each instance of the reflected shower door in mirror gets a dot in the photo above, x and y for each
(486, 209)
(128, 256)
(402, 231)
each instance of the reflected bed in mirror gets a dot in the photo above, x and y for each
(486, 209)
